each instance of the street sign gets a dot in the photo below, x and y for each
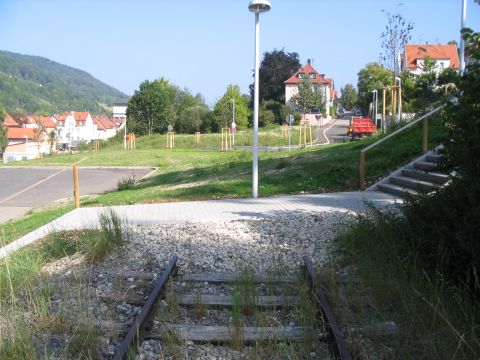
(234, 129)
(234, 125)
(290, 119)
(170, 127)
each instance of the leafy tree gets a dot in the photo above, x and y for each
(223, 110)
(279, 110)
(266, 117)
(276, 67)
(309, 97)
(192, 119)
(372, 77)
(349, 97)
(396, 34)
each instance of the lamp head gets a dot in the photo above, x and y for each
(259, 6)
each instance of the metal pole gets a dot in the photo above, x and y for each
(255, 108)
(75, 186)
(425, 135)
(462, 42)
(125, 135)
(233, 121)
(362, 171)
(384, 112)
(376, 107)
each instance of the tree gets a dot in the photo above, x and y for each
(276, 67)
(192, 119)
(372, 77)
(395, 36)
(309, 97)
(223, 110)
(349, 97)
(146, 111)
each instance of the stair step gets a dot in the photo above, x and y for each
(227, 300)
(424, 165)
(439, 149)
(229, 278)
(223, 334)
(433, 177)
(414, 184)
(435, 158)
(396, 190)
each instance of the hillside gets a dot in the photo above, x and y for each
(33, 84)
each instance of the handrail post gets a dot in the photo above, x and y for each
(75, 186)
(425, 135)
(362, 171)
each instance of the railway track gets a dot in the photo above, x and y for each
(239, 310)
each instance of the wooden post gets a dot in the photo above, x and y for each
(425, 135)
(394, 102)
(362, 171)
(226, 133)
(76, 194)
(170, 140)
(197, 138)
(311, 139)
(384, 110)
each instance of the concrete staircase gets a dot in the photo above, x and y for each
(421, 175)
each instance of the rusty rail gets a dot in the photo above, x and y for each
(143, 320)
(337, 339)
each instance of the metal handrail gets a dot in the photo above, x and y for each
(378, 142)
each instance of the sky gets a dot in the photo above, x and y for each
(205, 45)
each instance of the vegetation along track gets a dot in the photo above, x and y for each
(258, 316)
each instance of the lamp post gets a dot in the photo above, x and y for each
(125, 134)
(462, 42)
(399, 97)
(256, 6)
(234, 126)
(375, 104)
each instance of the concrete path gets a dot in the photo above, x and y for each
(196, 211)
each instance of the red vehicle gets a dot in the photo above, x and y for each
(360, 126)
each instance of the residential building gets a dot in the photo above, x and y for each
(444, 56)
(26, 144)
(10, 122)
(320, 83)
(34, 122)
(105, 128)
(74, 128)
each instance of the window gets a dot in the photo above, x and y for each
(312, 75)
(301, 75)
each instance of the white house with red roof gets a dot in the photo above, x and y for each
(319, 82)
(105, 128)
(35, 122)
(445, 56)
(75, 127)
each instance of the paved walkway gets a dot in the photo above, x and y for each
(196, 211)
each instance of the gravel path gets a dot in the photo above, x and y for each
(272, 244)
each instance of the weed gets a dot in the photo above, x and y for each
(198, 171)
(126, 183)
(246, 287)
(200, 309)
(95, 245)
(237, 342)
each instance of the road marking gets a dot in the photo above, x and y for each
(325, 134)
(31, 186)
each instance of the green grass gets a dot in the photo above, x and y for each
(186, 174)
(436, 319)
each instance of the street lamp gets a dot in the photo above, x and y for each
(125, 134)
(256, 6)
(462, 42)
(399, 97)
(375, 104)
(234, 126)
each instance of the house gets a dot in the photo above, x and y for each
(445, 56)
(319, 82)
(35, 122)
(105, 128)
(74, 127)
(10, 122)
(26, 144)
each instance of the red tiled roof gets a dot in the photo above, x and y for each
(414, 52)
(20, 133)
(10, 122)
(104, 122)
(307, 69)
(45, 121)
(81, 116)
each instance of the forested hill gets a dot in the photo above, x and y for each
(35, 85)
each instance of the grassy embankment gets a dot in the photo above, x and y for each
(194, 174)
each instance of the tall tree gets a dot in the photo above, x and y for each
(276, 67)
(372, 77)
(223, 110)
(349, 97)
(396, 34)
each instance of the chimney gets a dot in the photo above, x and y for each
(308, 62)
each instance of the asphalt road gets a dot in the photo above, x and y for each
(334, 131)
(22, 188)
